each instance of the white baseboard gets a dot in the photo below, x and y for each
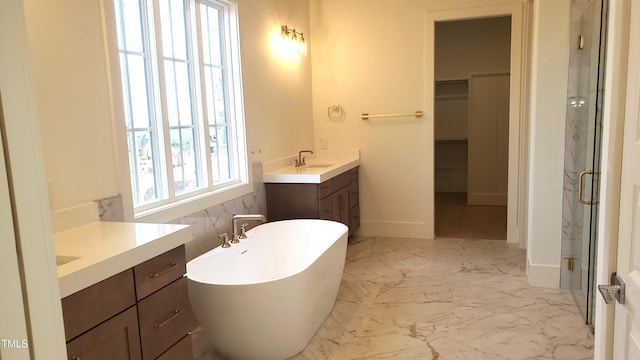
(547, 276)
(410, 230)
(487, 199)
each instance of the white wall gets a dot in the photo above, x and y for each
(548, 109)
(369, 56)
(472, 46)
(67, 52)
(477, 46)
(67, 43)
(277, 90)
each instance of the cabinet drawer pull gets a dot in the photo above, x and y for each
(171, 266)
(76, 357)
(161, 324)
(326, 188)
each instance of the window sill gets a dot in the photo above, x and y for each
(173, 211)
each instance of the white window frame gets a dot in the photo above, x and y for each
(189, 203)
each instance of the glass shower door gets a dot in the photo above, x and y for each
(582, 153)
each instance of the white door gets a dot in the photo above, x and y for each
(627, 316)
(13, 328)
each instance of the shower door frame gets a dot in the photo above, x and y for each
(583, 152)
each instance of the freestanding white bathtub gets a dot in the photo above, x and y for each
(266, 297)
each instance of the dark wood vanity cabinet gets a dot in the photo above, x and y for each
(336, 199)
(116, 338)
(141, 313)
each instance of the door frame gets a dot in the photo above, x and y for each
(516, 208)
(13, 325)
(611, 168)
(26, 180)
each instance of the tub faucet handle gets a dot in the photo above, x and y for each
(224, 236)
(243, 229)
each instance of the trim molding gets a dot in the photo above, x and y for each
(396, 229)
(542, 275)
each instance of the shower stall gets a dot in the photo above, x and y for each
(582, 151)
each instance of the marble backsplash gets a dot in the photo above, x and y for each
(206, 224)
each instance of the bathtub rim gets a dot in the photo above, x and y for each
(219, 250)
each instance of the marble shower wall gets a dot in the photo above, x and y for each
(207, 224)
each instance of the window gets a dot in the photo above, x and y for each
(182, 99)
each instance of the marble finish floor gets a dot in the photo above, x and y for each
(446, 299)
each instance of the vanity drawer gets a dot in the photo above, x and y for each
(155, 273)
(97, 303)
(165, 318)
(340, 181)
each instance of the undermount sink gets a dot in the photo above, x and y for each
(319, 165)
(61, 260)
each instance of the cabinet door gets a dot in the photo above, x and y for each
(97, 303)
(354, 214)
(325, 208)
(488, 145)
(354, 194)
(115, 339)
(341, 206)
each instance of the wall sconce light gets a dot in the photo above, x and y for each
(294, 40)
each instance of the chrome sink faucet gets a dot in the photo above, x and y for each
(301, 161)
(234, 221)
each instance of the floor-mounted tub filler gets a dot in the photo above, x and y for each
(266, 297)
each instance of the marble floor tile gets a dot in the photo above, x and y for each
(446, 299)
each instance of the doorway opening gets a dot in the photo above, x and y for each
(471, 127)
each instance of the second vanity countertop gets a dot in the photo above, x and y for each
(91, 253)
(321, 166)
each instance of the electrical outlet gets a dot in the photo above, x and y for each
(324, 144)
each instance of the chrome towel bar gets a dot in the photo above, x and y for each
(417, 114)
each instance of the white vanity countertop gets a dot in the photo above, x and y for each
(104, 249)
(321, 166)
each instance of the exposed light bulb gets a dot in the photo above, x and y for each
(292, 41)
